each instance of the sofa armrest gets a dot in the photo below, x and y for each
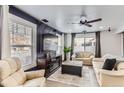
(111, 78)
(92, 56)
(112, 73)
(98, 60)
(35, 74)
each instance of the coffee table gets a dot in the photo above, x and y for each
(72, 67)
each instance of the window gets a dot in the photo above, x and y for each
(84, 44)
(21, 41)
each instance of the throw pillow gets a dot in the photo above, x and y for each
(77, 55)
(109, 64)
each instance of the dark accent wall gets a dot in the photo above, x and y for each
(46, 30)
(40, 30)
(15, 11)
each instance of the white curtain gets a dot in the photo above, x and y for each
(5, 32)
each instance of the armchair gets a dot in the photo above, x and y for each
(11, 75)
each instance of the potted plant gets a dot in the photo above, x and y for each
(66, 51)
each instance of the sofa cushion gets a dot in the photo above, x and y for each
(8, 66)
(12, 63)
(35, 74)
(5, 70)
(98, 60)
(98, 65)
(86, 58)
(35, 82)
(79, 54)
(18, 62)
(79, 59)
(87, 54)
(19, 76)
(16, 79)
(9, 82)
(83, 54)
(119, 65)
(109, 56)
(109, 64)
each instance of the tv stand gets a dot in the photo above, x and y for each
(50, 64)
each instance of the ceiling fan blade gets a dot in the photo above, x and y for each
(96, 20)
(86, 24)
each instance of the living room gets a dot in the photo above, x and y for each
(61, 46)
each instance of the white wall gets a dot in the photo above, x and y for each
(111, 43)
(68, 42)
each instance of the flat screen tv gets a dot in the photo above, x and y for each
(50, 42)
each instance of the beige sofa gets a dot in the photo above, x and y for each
(85, 57)
(107, 78)
(11, 75)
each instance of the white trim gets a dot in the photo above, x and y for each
(5, 33)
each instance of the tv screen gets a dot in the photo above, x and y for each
(50, 43)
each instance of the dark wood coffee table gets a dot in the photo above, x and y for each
(72, 67)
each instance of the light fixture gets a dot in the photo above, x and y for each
(109, 29)
(44, 20)
(101, 27)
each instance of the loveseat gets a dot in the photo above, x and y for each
(109, 78)
(11, 75)
(85, 57)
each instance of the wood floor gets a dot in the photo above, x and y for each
(64, 80)
(50, 83)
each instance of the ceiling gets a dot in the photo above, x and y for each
(59, 16)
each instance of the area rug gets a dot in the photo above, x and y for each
(85, 80)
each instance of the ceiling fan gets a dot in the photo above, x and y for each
(86, 22)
